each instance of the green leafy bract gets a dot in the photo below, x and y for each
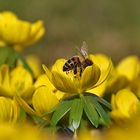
(97, 102)
(92, 105)
(60, 111)
(90, 111)
(8, 56)
(76, 113)
(103, 102)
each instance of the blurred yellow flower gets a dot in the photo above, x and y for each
(91, 77)
(44, 98)
(19, 33)
(9, 110)
(22, 132)
(125, 105)
(129, 131)
(17, 81)
(124, 74)
(129, 67)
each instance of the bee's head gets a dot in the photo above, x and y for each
(86, 63)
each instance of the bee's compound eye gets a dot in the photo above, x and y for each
(89, 62)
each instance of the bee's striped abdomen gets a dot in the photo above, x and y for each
(71, 63)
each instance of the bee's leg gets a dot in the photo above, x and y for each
(81, 69)
(75, 70)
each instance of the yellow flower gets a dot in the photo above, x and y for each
(91, 77)
(19, 33)
(124, 74)
(22, 82)
(18, 81)
(9, 110)
(125, 105)
(44, 98)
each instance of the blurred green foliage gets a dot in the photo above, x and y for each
(110, 27)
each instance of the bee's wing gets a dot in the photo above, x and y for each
(83, 51)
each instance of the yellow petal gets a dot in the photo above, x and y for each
(129, 67)
(43, 80)
(58, 67)
(21, 31)
(101, 60)
(105, 65)
(43, 100)
(99, 90)
(113, 102)
(59, 94)
(7, 15)
(89, 77)
(37, 31)
(8, 111)
(116, 82)
(64, 84)
(125, 103)
(23, 104)
(17, 32)
(16, 110)
(47, 71)
(5, 87)
(21, 81)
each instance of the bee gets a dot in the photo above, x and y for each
(78, 62)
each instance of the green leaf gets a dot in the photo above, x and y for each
(99, 99)
(50, 111)
(60, 111)
(22, 115)
(8, 56)
(103, 114)
(90, 111)
(105, 103)
(40, 121)
(76, 113)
